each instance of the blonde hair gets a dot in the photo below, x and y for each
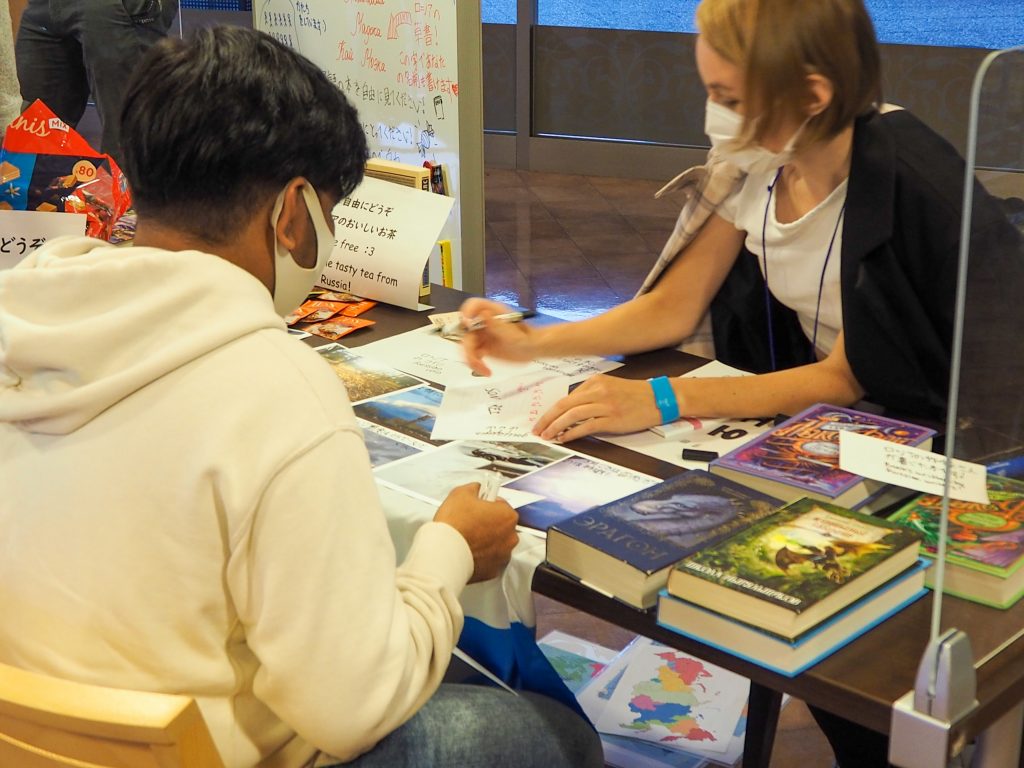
(778, 43)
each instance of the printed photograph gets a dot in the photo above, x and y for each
(385, 445)
(574, 485)
(436, 473)
(411, 412)
(364, 377)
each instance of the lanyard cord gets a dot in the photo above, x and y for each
(821, 284)
(764, 266)
(821, 279)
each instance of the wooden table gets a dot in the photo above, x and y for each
(859, 682)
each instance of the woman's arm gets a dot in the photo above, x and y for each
(667, 314)
(610, 404)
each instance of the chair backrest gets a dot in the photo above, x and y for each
(46, 722)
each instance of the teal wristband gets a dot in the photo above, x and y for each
(665, 399)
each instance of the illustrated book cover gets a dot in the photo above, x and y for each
(785, 656)
(626, 548)
(985, 546)
(789, 572)
(800, 457)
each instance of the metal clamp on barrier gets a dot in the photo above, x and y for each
(944, 692)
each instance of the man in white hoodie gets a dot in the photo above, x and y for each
(186, 503)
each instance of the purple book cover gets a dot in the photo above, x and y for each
(803, 451)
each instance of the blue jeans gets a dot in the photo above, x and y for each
(69, 48)
(470, 726)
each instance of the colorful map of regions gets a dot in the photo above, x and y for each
(575, 670)
(672, 699)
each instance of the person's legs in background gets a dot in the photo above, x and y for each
(474, 725)
(50, 65)
(69, 48)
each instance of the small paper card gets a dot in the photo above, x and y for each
(910, 467)
(383, 235)
(505, 410)
(24, 231)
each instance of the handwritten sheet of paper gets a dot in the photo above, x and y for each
(23, 231)
(910, 467)
(425, 353)
(383, 235)
(504, 410)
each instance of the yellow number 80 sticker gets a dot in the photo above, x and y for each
(84, 171)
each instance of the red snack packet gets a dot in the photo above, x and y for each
(48, 166)
(338, 327)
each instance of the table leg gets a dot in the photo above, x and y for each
(999, 744)
(762, 719)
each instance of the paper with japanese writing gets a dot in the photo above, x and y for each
(500, 410)
(426, 353)
(910, 467)
(383, 235)
(23, 231)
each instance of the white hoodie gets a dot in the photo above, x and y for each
(186, 505)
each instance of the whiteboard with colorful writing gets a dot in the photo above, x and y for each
(397, 62)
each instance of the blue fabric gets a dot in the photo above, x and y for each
(512, 655)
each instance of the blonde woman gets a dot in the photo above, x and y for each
(822, 240)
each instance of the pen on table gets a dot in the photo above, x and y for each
(693, 454)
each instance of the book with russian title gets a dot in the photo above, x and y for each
(800, 457)
(626, 548)
(789, 572)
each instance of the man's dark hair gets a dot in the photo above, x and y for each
(213, 124)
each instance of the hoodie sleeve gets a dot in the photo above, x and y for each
(349, 646)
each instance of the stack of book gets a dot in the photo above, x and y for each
(788, 590)
(800, 457)
(626, 548)
(985, 549)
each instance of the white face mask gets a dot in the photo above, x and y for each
(722, 125)
(292, 282)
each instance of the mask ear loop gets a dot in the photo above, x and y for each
(764, 266)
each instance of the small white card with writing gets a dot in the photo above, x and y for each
(503, 411)
(910, 467)
(383, 235)
(23, 231)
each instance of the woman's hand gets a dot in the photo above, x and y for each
(600, 404)
(505, 341)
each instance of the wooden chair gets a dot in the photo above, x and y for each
(46, 722)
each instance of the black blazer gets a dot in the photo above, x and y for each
(901, 236)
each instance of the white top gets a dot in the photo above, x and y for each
(188, 507)
(796, 253)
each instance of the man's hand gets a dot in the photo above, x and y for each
(489, 527)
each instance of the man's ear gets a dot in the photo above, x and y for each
(820, 92)
(291, 222)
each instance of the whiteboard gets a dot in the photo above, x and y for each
(397, 62)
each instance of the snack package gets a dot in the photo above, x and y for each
(45, 165)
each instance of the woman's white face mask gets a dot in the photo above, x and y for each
(292, 282)
(722, 125)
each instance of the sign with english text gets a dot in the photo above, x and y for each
(383, 235)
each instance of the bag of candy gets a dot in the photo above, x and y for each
(45, 165)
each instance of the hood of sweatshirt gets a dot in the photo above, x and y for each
(84, 324)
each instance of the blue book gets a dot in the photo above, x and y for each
(791, 657)
(626, 548)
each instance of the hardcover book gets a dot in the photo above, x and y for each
(791, 571)
(800, 457)
(791, 657)
(626, 548)
(985, 548)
